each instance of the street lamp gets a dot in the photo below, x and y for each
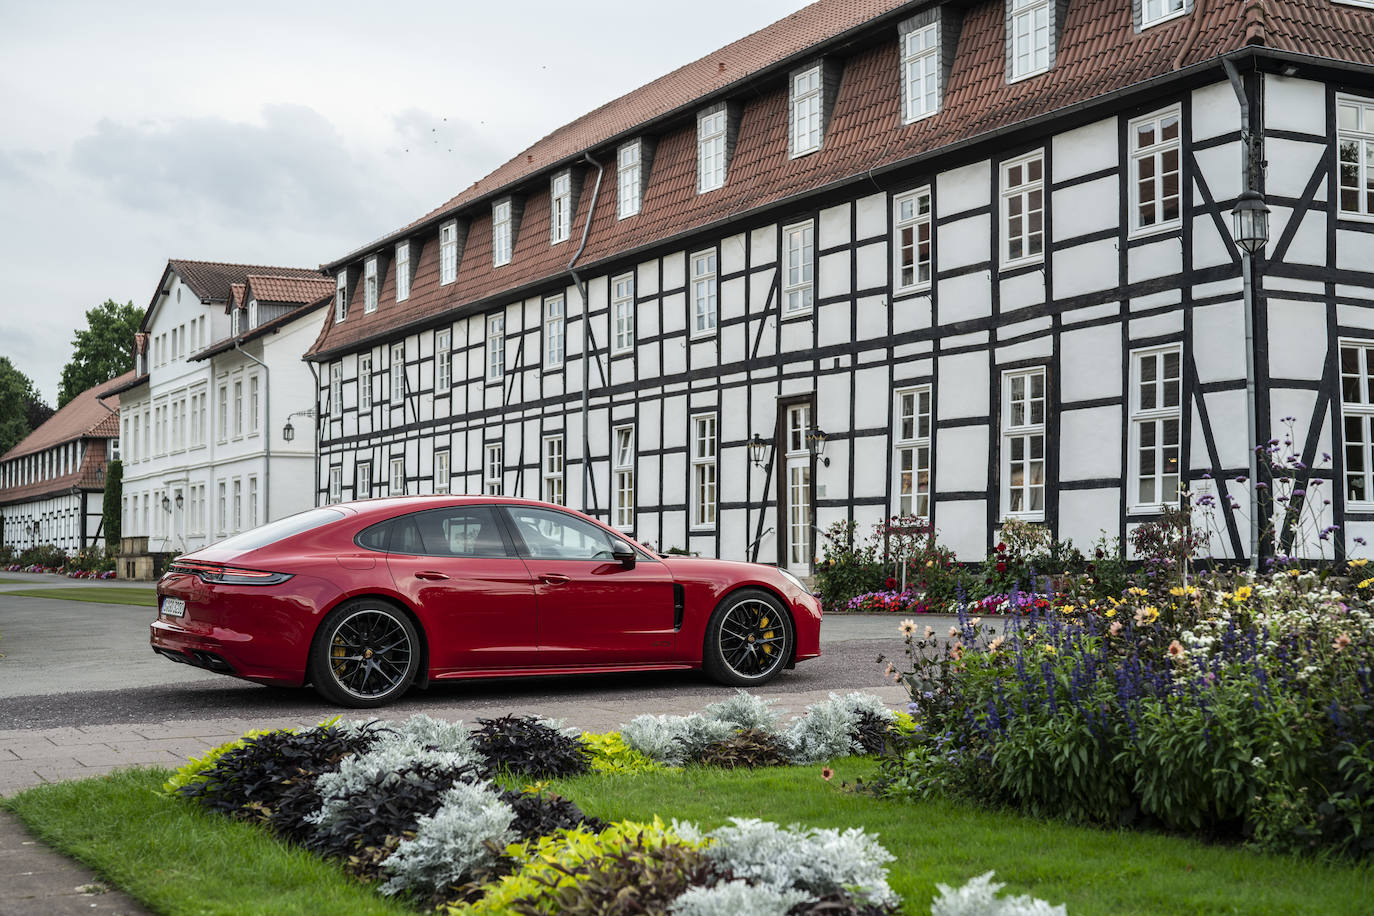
(1250, 222)
(180, 501)
(166, 504)
(815, 444)
(288, 432)
(758, 450)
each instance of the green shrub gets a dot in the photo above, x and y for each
(195, 769)
(48, 555)
(746, 749)
(636, 879)
(610, 754)
(528, 746)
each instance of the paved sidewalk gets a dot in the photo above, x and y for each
(39, 882)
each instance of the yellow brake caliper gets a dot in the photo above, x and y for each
(338, 652)
(767, 649)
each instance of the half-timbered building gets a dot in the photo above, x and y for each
(963, 260)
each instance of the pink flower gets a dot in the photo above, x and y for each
(1115, 628)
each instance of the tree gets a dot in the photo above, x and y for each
(17, 400)
(103, 350)
(112, 504)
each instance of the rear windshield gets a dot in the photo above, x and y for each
(282, 528)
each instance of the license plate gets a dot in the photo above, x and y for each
(173, 607)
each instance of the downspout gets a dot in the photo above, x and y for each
(589, 509)
(315, 416)
(1248, 296)
(266, 433)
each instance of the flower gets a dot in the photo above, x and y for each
(1146, 615)
(1137, 591)
(1109, 612)
(1001, 547)
(907, 627)
(1341, 642)
(953, 632)
(1001, 565)
(827, 774)
(956, 651)
(1359, 562)
(995, 644)
(973, 622)
(1242, 594)
(1048, 649)
(1115, 628)
(890, 670)
(1176, 651)
(930, 631)
(891, 583)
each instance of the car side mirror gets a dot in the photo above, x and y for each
(623, 554)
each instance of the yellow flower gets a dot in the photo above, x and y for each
(1242, 593)
(1358, 563)
(1294, 573)
(1110, 612)
(1137, 591)
(1049, 649)
(1177, 592)
(1366, 583)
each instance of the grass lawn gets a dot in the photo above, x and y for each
(178, 860)
(14, 581)
(143, 597)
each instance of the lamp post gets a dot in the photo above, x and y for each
(758, 450)
(815, 444)
(1250, 225)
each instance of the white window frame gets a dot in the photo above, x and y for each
(496, 347)
(369, 285)
(1155, 418)
(1025, 431)
(398, 374)
(238, 413)
(1153, 156)
(1361, 412)
(623, 314)
(705, 293)
(236, 501)
(1029, 18)
(397, 483)
(560, 207)
(340, 299)
(365, 383)
(1359, 131)
(501, 242)
(920, 73)
(448, 252)
(623, 458)
(493, 468)
(711, 164)
(234, 321)
(551, 467)
(252, 319)
(1165, 14)
(628, 179)
(806, 98)
(912, 213)
(443, 360)
(222, 492)
(799, 268)
(254, 419)
(915, 419)
(252, 501)
(1023, 194)
(362, 489)
(442, 474)
(403, 271)
(705, 497)
(555, 332)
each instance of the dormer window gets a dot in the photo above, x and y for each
(806, 111)
(560, 206)
(252, 314)
(1029, 29)
(1153, 12)
(234, 322)
(403, 270)
(370, 285)
(500, 233)
(340, 297)
(627, 180)
(448, 252)
(920, 82)
(711, 149)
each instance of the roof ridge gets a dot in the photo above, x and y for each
(236, 264)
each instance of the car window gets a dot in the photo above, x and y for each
(281, 528)
(553, 535)
(456, 531)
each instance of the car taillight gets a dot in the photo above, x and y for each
(228, 575)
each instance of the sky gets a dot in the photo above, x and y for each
(285, 133)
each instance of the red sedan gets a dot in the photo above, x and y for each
(364, 599)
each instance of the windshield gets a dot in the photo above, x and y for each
(281, 528)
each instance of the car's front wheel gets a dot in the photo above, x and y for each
(748, 639)
(365, 654)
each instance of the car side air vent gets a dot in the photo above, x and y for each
(679, 606)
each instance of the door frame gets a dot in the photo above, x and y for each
(780, 430)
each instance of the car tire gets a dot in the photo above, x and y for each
(365, 654)
(749, 639)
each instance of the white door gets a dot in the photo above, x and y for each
(798, 486)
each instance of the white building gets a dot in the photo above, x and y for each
(985, 248)
(52, 484)
(204, 452)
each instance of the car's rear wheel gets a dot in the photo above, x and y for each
(748, 639)
(365, 654)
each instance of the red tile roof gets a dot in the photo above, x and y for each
(1098, 52)
(212, 280)
(298, 290)
(89, 476)
(265, 328)
(83, 415)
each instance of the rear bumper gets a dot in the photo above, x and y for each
(220, 650)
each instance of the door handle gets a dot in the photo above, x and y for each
(555, 579)
(430, 574)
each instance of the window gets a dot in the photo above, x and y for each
(496, 347)
(704, 471)
(500, 233)
(234, 322)
(1355, 153)
(252, 317)
(1023, 209)
(398, 373)
(441, 472)
(223, 506)
(1023, 444)
(370, 285)
(403, 270)
(704, 292)
(448, 252)
(443, 361)
(238, 504)
(799, 251)
(1357, 419)
(222, 434)
(253, 420)
(625, 478)
(252, 502)
(627, 180)
(1156, 418)
(200, 418)
(623, 312)
(492, 470)
(335, 485)
(920, 86)
(340, 300)
(560, 208)
(555, 332)
(238, 410)
(1156, 11)
(1155, 172)
(911, 246)
(711, 150)
(365, 383)
(335, 389)
(1029, 24)
(556, 535)
(913, 452)
(806, 111)
(364, 487)
(456, 531)
(552, 470)
(398, 476)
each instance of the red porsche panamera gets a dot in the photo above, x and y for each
(364, 599)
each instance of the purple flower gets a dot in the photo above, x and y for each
(1359, 541)
(1299, 493)
(1241, 478)
(1326, 456)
